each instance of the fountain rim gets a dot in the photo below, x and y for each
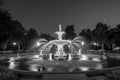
(35, 73)
(78, 72)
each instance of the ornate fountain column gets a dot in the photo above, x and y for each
(79, 53)
(69, 57)
(50, 57)
(60, 52)
(40, 53)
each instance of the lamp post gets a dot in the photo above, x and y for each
(18, 46)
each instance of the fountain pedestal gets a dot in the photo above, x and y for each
(40, 53)
(50, 57)
(69, 57)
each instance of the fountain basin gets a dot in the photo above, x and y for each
(38, 64)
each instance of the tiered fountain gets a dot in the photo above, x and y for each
(60, 43)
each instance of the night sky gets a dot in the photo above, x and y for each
(45, 15)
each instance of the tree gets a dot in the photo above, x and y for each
(86, 33)
(30, 36)
(10, 30)
(70, 32)
(99, 33)
(31, 33)
(117, 35)
(46, 36)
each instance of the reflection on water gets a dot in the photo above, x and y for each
(36, 67)
(33, 67)
(55, 66)
(12, 65)
(84, 68)
(58, 66)
(99, 66)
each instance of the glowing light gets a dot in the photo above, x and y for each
(33, 67)
(38, 44)
(82, 43)
(14, 43)
(60, 28)
(12, 65)
(95, 44)
(69, 57)
(84, 68)
(96, 59)
(50, 56)
(79, 52)
(13, 58)
(37, 57)
(83, 57)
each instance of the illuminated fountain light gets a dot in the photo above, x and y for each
(12, 65)
(96, 59)
(50, 57)
(41, 53)
(69, 57)
(13, 58)
(83, 57)
(79, 52)
(33, 67)
(37, 57)
(12, 62)
(82, 43)
(84, 68)
(80, 68)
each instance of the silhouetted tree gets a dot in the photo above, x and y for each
(86, 33)
(10, 30)
(70, 32)
(46, 36)
(30, 37)
(117, 34)
(31, 33)
(99, 33)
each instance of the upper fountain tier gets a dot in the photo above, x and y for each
(60, 33)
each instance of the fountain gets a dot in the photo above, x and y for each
(60, 43)
(60, 60)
